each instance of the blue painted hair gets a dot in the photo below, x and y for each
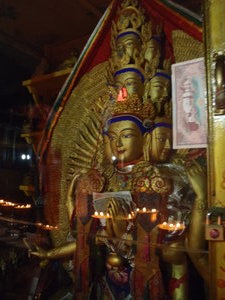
(163, 75)
(137, 121)
(130, 70)
(126, 33)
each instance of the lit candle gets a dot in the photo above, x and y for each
(22, 206)
(8, 203)
(101, 215)
(163, 226)
(137, 210)
(178, 225)
(207, 219)
(129, 216)
(39, 224)
(47, 227)
(171, 226)
(153, 215)
(144, 209)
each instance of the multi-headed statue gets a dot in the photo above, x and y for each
(125, 196)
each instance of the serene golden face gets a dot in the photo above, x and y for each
(128, 44)
(131, 81)
(158, 88)
(152, 50)
(161, 144)
(126, 141)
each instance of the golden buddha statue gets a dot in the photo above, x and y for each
(150, 188)
(122, 146)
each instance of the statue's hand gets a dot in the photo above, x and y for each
(40, 253)
(197, 177)
(119, 210)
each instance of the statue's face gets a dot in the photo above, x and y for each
(152, 50)
(127, 44)
(158, 89)
(161, 144)
(131, 81)
(126, 141)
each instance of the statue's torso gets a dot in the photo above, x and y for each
(142, 177)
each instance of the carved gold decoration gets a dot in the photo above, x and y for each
(91, 87)
(186, 47)
(135, 42)
(133, 105)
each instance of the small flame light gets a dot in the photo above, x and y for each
(171, 226)
(101, 215)
(46, 226)
(152, 212)
(22, 206)
(153, 215)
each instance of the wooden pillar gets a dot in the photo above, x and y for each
(214, 32)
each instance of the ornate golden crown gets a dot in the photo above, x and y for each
(130, 105)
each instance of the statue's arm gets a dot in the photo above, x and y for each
(65, 250)
(62, 251)
(196, 242)
(70, 197)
